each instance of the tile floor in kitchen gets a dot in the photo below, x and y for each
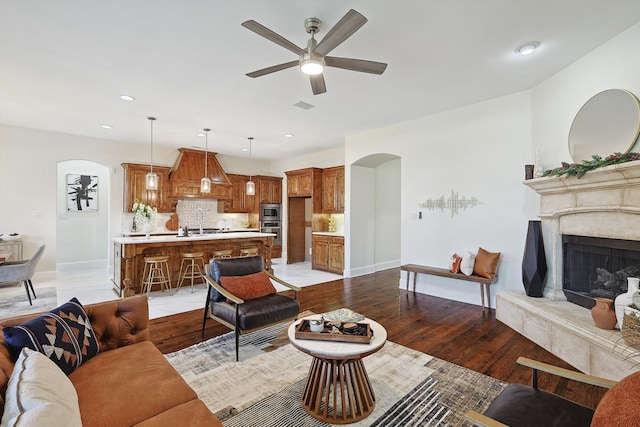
(92, 285)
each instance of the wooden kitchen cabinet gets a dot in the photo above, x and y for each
(333, 190)
(269, 189)
(135, 187)
(239, 202)
(327, 253)
(304, 182)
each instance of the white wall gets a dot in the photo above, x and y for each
(28, 183)
(478, 150)
(556, 101)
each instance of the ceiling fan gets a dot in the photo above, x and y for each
(314, 58)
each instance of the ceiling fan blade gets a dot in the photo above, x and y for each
(317, 84)
(349, 24)
(360, 65)
(272, 69)
(263, 31)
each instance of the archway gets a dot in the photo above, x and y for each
(374, 220)
(82, 223)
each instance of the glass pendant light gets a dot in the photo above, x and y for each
(251, 186)
(151, 180)
(205, 182)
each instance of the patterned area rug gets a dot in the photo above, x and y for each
(14, 302)
(265, 387)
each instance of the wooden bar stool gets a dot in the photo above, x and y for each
(222, 253)
(191, 267)
(249, 251)
(156, 271)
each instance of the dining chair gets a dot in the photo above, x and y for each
(22, 271)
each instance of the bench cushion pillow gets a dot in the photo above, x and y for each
(468, 261)
(39, 393)
(248, 287)
(456, 260)
(64, 335)
(486, 264)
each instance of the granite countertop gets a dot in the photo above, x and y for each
(197, 237)
(329, 233)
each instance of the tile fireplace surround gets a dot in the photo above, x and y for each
(603, 203)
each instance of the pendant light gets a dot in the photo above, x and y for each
(151, 180)
(205, 182)
(251, 186)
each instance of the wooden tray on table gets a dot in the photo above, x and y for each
(363, 335)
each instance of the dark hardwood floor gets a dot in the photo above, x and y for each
(456, 332)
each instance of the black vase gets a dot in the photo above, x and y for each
(534, 261)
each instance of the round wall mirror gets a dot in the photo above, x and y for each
(607, 123)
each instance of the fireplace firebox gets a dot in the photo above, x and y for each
(597, 267)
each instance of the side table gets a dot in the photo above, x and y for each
(338, 389)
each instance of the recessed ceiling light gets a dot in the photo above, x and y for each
(127, 98)
(288, 135)
(527, 48)
(200, 134)
(107, 127)
(244, 149)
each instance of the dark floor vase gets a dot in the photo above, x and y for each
(534, 262)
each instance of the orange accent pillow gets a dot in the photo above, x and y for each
(456, 260)
(486, 264)
(248, 287)
(615, 408)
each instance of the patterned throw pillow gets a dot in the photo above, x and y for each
(64, 335)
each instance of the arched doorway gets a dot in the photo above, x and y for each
(82, 224)
(373, 209)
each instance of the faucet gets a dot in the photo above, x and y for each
(199, 210)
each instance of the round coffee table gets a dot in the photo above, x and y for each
(338, 389)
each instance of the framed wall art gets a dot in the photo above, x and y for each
(82, 192)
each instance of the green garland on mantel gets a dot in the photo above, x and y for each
(579, 169)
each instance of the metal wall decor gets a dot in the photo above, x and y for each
(454, 203)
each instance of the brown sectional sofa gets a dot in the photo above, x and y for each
(129, 382)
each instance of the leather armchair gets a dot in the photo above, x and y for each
(240, 315)
(523, 406)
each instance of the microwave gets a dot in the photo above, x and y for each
(269, 212)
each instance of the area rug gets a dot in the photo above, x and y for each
(265, 387)
(14, 301)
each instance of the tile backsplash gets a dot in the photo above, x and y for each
(189, 213)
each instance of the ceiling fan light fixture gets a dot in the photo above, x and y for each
(311, 66)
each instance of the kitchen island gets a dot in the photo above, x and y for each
(129, 254)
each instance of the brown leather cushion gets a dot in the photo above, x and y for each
(249, 287)
(486, 264)
(618, 407)
(194, 413)
(456, 260)
(127, 385)
(523, 406)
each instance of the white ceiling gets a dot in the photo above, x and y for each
(64, 64)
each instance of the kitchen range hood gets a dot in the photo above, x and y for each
(185, 175)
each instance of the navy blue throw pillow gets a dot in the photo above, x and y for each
(64, 335)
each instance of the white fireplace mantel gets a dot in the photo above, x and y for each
(603, 203)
